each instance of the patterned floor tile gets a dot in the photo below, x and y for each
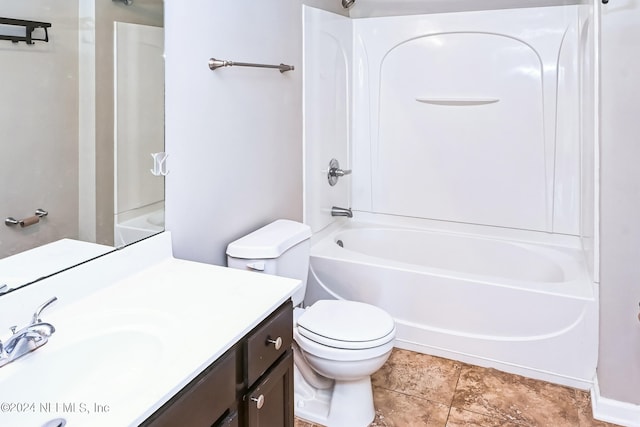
(515, 399)
(394, 409)
(418, 390)
(462, 418)
(302, 423)
(419, 375)
(585, 413)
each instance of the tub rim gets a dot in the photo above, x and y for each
(577, 284)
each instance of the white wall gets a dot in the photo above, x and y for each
(39, 126)
(619, 358)
(234, 135)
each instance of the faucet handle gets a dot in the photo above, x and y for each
(334, 172)
(36, 315)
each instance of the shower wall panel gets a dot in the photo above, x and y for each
(469, 117)
(327, 122)
(589, 163)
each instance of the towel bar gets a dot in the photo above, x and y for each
(214, 64)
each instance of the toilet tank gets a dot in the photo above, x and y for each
(280, 248)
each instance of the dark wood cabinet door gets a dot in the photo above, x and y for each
(270, 402)
(230, 420)
(204, 400)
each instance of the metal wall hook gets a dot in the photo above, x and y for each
(159, 164)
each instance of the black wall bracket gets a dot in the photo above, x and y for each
(29, 27)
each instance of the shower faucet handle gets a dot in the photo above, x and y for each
(339, 172)
(334, 172)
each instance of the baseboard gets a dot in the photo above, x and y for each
(613, 411)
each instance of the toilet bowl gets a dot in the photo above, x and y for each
(338, 344)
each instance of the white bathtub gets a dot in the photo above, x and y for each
(138, 224)
(526, 308)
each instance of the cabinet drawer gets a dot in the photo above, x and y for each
(270, 340)
(204, 400)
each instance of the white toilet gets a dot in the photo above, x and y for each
(338, 344)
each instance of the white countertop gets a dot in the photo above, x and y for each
(122, 351)
(32, 264)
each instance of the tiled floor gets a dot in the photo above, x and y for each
(414, 389)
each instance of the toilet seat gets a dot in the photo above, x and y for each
(348, 325)
(310, 347)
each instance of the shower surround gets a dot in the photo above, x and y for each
(469, 138)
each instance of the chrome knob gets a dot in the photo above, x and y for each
(277, 343)
(259, 401)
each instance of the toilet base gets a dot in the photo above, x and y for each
(346, 404)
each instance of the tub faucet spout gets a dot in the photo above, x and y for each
(337, 211)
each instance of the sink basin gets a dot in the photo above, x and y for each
(87, 380)
(91, 354)
(68, 370)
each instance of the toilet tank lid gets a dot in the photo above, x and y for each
(270, 241)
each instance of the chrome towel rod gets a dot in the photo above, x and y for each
(26, 222)
(214, 64)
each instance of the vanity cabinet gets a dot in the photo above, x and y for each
(203, 401)
(250, 385)
(268, 369)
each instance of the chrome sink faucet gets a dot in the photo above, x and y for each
(27, 339)
(337, 211)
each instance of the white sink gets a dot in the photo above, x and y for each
(86, 359)
(92, 351)
(78, 379)
(69, 370)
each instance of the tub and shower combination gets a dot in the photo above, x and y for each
(468, 136)
(522, 306)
